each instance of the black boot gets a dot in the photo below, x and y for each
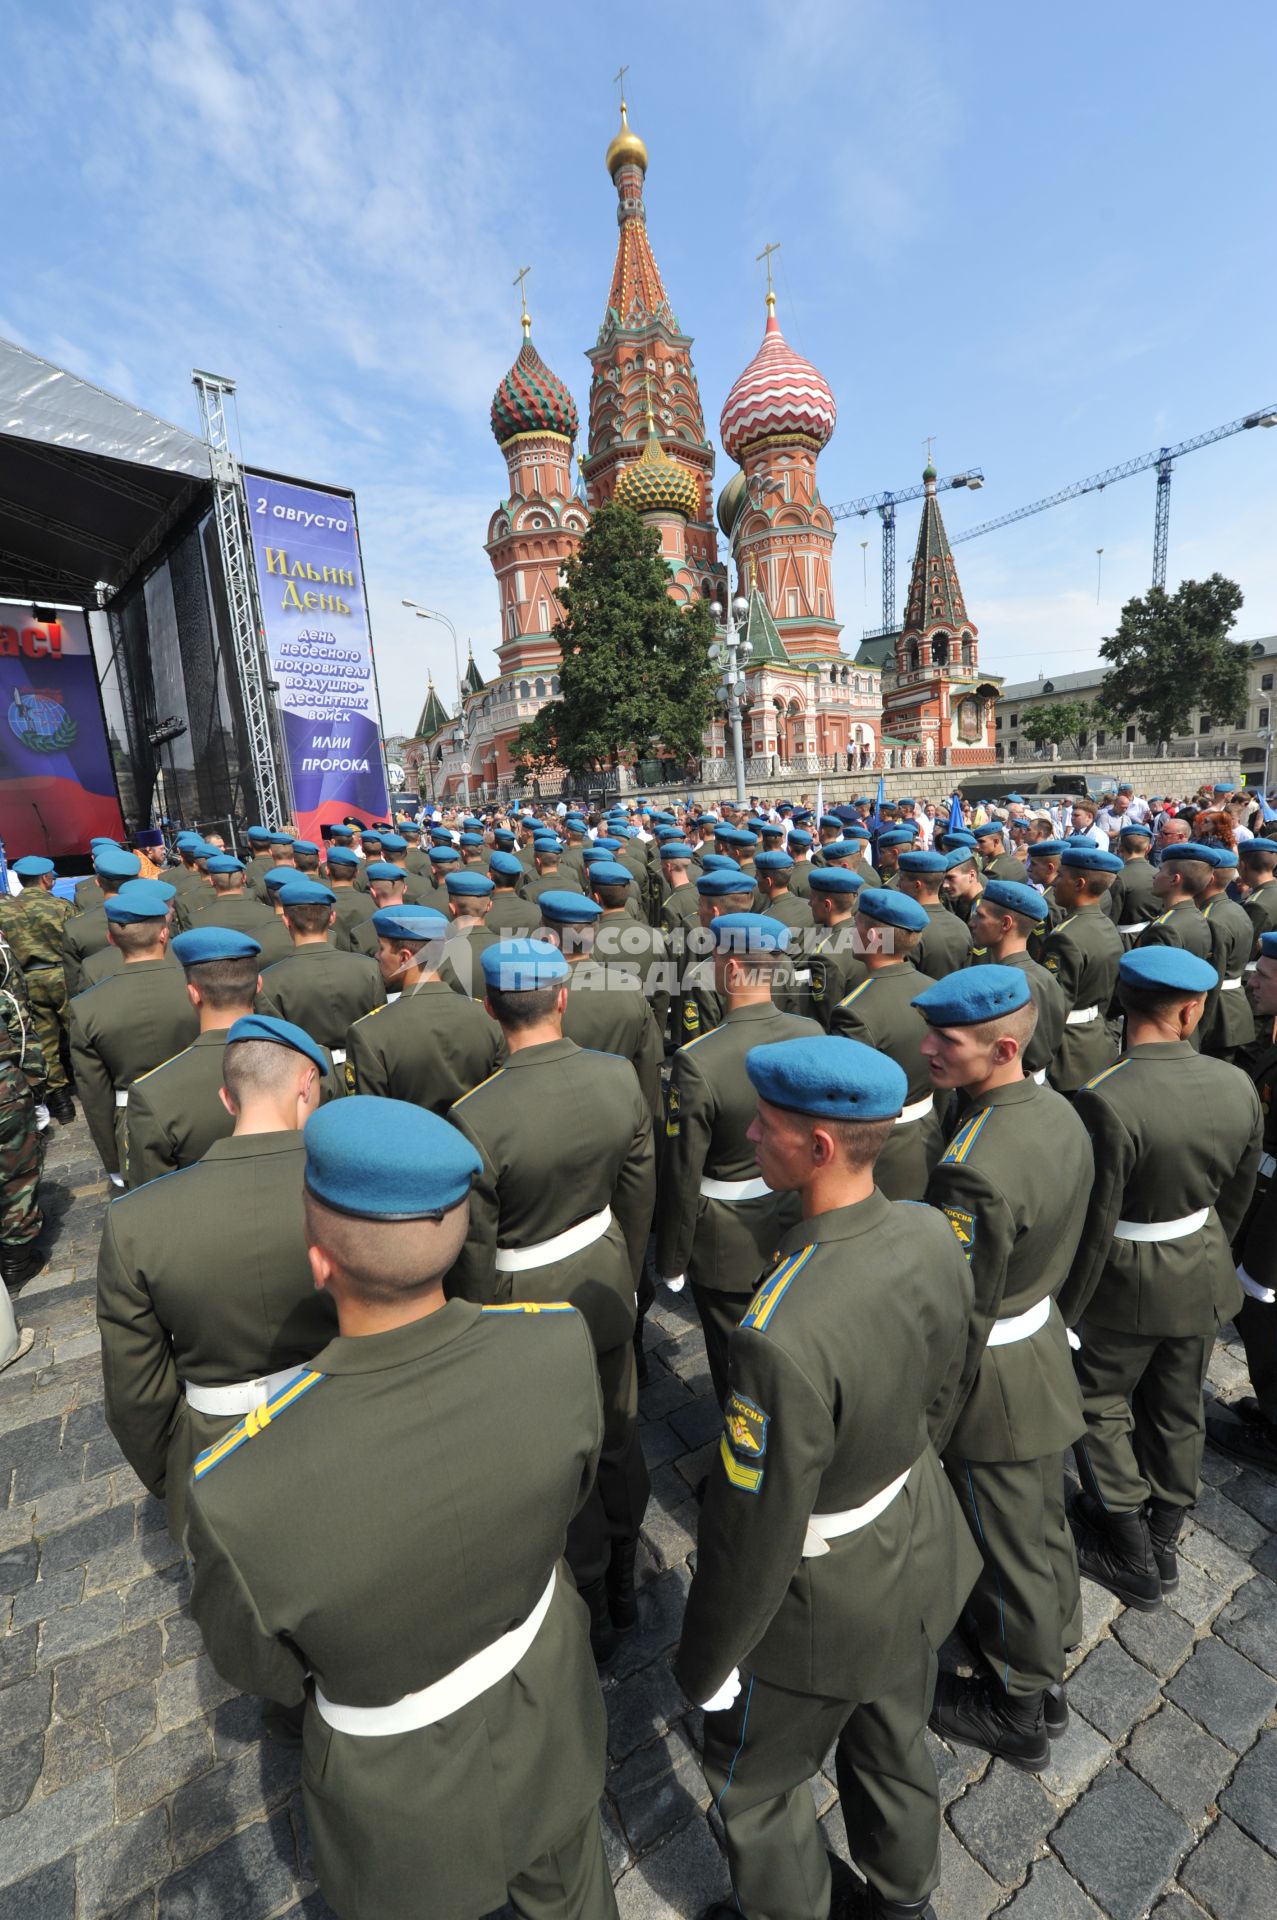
(1055, 1710)
(1252, 1438)
(602, 1632)
(980, 1713)
(20, 1264)
(61, 1106)
(1118, 1554)
(880, 1909)
(622, 1601)
(1164, 1522)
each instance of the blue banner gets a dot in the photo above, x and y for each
(56, 784)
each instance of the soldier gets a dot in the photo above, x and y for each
(1044, 870)
(33, 925)
(469, 892)
(259, 861)
(227, 902)
(205, 1298)
(1001, 926)
(891, 844)
(798, 847)
(722, 888)
(945, 944)
(1181, 883)
(175, 1111)
(130, 1021)
(21, 1163)
(274, 939)
(581, 1239)
(186, 876)
(832, 1559)
(84, 933)
(963, 883)
(627, 946)
(386, 886)
(1257, 860)
(774, 869)
(833, 965)
(88, 893)
(829, 831)
(196, 891)
(429, 1045)
(880, 1013)
(1017, 1406)
(718, 1223)
(453, 1698)
(316, 987)
(1154, 1276)
(1131, 901)
(547, 870)
(994, 862)
(353, 904)
(606, 1007)
(678, 915)
(509, 911)
(1082, 951)
(306, 856)
(1228, 1025)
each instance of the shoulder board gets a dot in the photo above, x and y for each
(1162, 918)
(857, 991)
(1060, 925)
(1206, 911)
(773, 1289)
(964, 1139)
(163, 1063)
(689, 1044)
(1101, 1077)
(248, 1428)
(479, 1089)
(371, 1014)
(530, 1306)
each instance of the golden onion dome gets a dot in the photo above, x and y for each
(730, 502)
(656, 484)
(626, 149)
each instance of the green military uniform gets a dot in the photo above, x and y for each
(174, 1112)
(352, 909)
(1180, 926)
(800, 878)
(450, 1526)
(851, 1339)
(21, 1148)
(1082, 953)
(190, 903)
(552, 1108)
(788, 909)
(878, 1013)
(33, 924)
(462, 963)
(1147, 1309)
(944, 945)
(120, 1029)
(1228, 1022)
(721, 1240)
(1261, 911)
(679, 909)
(203, 1280)
(15, 1016)
(85, 934)
(510, 913)
(632, 947)
(106, 964)
(239, 911)
(1002, 866)
(607, 1011)
(1017, 1408)
(1130, 902)
(428, 1046)
(1256, 1320)
(323, 992)
(255, 871)
(833, 968)
(89, 894)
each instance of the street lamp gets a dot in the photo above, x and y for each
(428, 613)
(731, 653)
(461, 744)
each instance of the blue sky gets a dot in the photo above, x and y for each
(1044, 235)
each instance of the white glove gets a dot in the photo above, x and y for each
(729, 1691)
(675, 1282)
(41, 1116)
(1074, 1342)
(1264, 1295)
(117, 1180)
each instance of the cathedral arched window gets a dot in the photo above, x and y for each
(968, 653)
(554, 685)
(525, 691)
(540, 689)
(543, 614)
(940, 650)
(912, 658)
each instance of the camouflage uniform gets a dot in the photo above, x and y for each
(32, 924)
(21, 1086)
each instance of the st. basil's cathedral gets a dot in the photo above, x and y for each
(811, 707)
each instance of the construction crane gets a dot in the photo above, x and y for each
(885, 504)
(1163, 461)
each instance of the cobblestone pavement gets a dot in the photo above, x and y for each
(135, 1784)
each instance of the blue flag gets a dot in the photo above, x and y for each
(880, 801)
(956, 821)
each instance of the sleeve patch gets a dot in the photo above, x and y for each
(963, 1225)
(672, 1108)
(748, 1479)
(745, 1427)
(691, 1016)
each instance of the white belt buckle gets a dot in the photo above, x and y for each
(734, 1191)
(918, 1111)
(121, 1097)
(1157, 1230)
(824, 1527)
(1020, 1326)
(1082, 1016)
(559, 1247)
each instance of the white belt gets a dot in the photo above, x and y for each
(734, 1189)
(1133, 926)
(545, 1252)
(1267, 1165)
(121, 1096)
(1251, 965)
(1019, 1326)
(447, 1695)
(239, 1399)
(1161, 1229)
(918, 1111)
(1230, 986)
(1039, 1076)
(803, 975)
(1081, 1016)
(339, 1056)
(824, 1527)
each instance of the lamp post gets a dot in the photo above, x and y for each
(731, 652)
(461, 743)
(459, 737)
(428, 613)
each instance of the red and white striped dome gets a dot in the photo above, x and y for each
(778, 393)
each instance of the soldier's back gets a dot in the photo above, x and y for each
(429, 1046)
(322, 991)
(175, 1112)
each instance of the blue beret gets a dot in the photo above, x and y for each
(606, 844)
(562, 908)
(305, 892)
(370, 833)
(470, 824)
(114, 864)
(757, 825)
(1225, 856)
(410, 923)
(342, 833)
(750, 933)
(736, 837)
(574, 819)
(442, 835)
(1047, 849)
(828, 1077)
(139, 900)
(275, 877)
(799, 838)
(835, 880)
(897, 837)
(958, 857)
(281, 1033)
(386, 1159)
(32, 865)
(1079, 840)
(186, 840)
(722, 881)
(380, 870)
(344, 857)
(854, 831)
(1018, 798)
(260, 836)
(1226, 786)
(973, 994)
(508, 865)
(956, 837)
(720, 863)
(202, 944)
(469, 884)
(1166, 970)
(802, 813)
(677, 850)
(1015, 897)
(519, 966)
(280, 837)
(1190, 850)
(892, 909)
(664, 833)
(1268, 946)
(472, 839)
(102, 840)
(390, 842)
(830, 822)
(309, 846)
(225, 863)
(923, 860)
(546, 842)
(842, 849)
(772, 860)
(442, 854)
(1091, 860)
(599, 852)
(609, 873)
(991, 830)
(1138, 830)
(503, 838)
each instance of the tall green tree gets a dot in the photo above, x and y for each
(1057, 723)
(1171, 653)
(634, 675)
